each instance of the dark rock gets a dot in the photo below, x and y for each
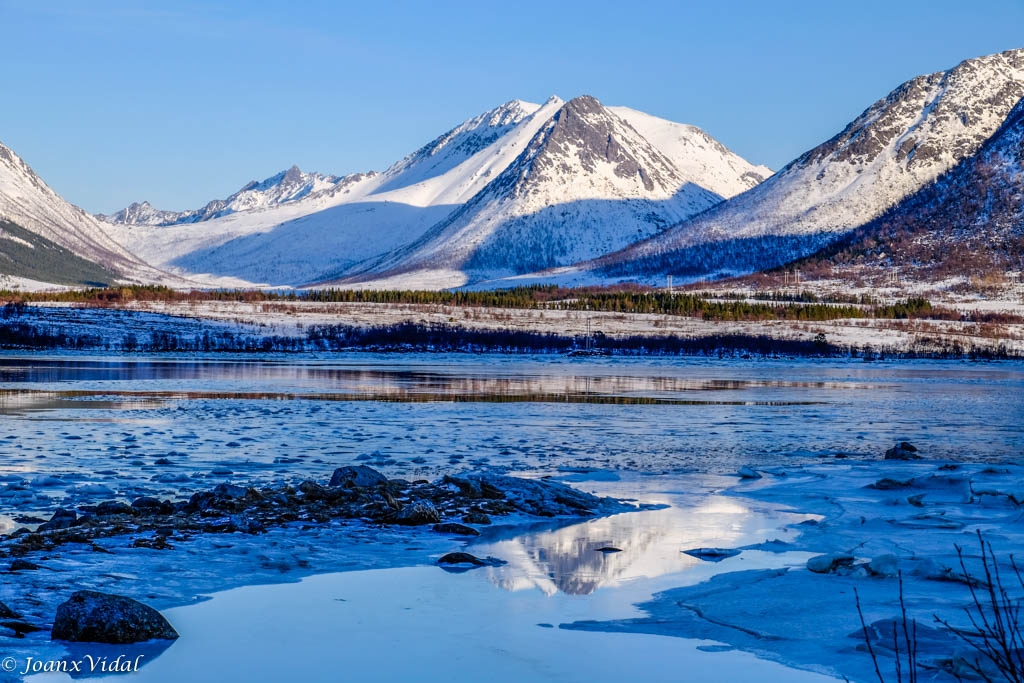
(7, 613)
(535, 497)
(476, 518)
(461, 558)
(230, 491)
(456, 528)
(458, 558)
(62, 519)
(360, 476)
(313, 491)
(151, 506)
(20, 627)
(93, 617)
(27, 519)
(20, 565)
(888, 484)
(903, 451)
(155, 543)
(712, 554)
(245, 525)
(201, 500)
(475, 487)
(112, 507)
(414, 514)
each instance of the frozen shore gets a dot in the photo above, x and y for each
(871, 518)
(878, 520)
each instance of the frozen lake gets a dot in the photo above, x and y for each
(161, 425)
(82, 429)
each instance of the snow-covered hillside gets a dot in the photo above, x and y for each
(968, 225)
(368, 223)
(698, 156)
(28, 202)
(898, 145)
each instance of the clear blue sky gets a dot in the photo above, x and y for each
(179, 102)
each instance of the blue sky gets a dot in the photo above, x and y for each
(113, 101)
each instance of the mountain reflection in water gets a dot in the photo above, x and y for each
(568, 559)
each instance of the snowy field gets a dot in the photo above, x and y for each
(293, 319)
(80, 429)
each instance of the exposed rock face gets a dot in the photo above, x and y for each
(360, 475)
(93, 617)
(415, 514)
(62, 519)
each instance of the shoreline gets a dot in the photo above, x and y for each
(825, 501)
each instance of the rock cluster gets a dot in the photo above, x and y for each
(360, 493)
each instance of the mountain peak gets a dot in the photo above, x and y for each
(292, 176)
(584, 104)
(284, 187)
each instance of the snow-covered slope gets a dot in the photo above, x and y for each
(899, 144)
(28, 202)
(457, 145)
(967, 224)
(597, 200)
(698, 156)
(586, 183)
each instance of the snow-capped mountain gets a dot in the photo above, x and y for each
(286, 186)
(586, 183)
(899, 144)
(31, 205)
(367, 224)
(363, 217)
(967, 224)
